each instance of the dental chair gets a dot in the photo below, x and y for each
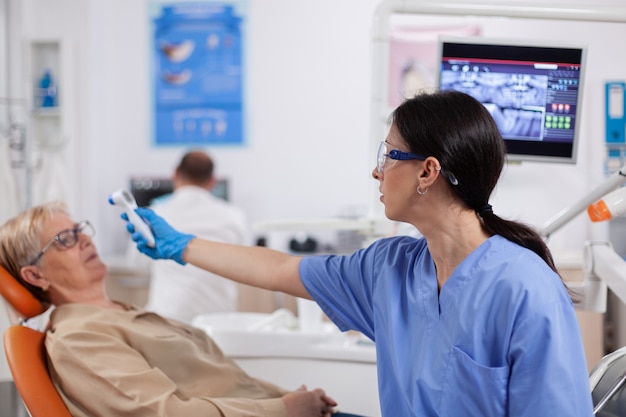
(26, 355)
(608, 382)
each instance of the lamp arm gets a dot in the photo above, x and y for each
(567, 214)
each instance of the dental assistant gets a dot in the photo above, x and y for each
(472, 319)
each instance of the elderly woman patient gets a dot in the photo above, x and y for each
(107, 358)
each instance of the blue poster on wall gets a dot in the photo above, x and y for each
(198, 87)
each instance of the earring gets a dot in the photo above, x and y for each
(420, 192)
(45, 287)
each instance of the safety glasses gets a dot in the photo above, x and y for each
(67, 238)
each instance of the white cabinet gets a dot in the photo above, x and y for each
(43, 57)
(49, 129)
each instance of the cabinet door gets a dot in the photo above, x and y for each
(50, 149)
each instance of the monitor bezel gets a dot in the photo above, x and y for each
(536, 153)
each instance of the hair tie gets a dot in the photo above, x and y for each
(484, 210)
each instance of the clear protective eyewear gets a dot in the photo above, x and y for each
(395, 154)
(67, 238)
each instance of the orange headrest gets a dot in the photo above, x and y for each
(22, 301)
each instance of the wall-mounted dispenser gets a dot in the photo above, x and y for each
(615, 121)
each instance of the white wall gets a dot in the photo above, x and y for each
(308, 80)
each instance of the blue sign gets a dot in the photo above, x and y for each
(198, 80)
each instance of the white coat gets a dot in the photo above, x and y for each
(183, 292)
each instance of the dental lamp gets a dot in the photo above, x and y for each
(604, 268)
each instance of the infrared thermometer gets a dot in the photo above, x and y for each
(127, 201)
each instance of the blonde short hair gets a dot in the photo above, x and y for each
(19, 240)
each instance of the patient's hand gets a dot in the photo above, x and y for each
(303, 403)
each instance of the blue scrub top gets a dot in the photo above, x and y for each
(500, 339)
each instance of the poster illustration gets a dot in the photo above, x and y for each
(413, 53)
(198, 74)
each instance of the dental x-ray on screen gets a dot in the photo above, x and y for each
(533, 90)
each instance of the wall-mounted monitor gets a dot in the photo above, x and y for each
(532, 89)
(148, 190)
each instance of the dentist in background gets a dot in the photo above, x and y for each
(183, 292)
(470, 320)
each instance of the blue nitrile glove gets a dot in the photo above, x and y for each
(169, 243)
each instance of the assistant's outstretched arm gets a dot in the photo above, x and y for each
(251, 265)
